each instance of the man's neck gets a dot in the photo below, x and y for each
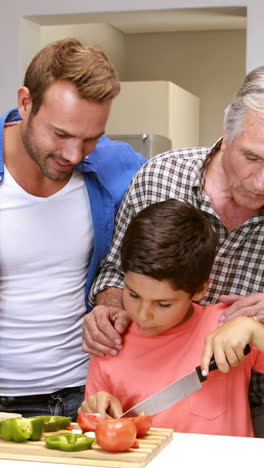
(24, 169)
(231, 214)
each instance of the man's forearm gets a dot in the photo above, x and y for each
(110, 297)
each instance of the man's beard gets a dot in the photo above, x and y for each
(40, 159)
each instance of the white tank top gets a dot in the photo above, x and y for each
(45, 249)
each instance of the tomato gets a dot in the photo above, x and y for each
(116, 435)
(143, 424)
(88, 421)
(73, 426)
(135, 444)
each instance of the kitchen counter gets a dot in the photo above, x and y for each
(189, 450)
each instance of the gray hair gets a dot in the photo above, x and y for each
(249, 97)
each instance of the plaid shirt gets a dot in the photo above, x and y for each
(238, 266)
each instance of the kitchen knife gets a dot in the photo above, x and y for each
(174, 392)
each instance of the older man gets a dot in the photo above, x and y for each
(227, 183)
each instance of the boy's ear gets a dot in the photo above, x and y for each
(201, 293)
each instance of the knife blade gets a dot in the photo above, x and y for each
(174, 392)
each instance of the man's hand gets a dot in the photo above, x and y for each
(104, 325)
(252, 305)
(102, 402)
(228, 342)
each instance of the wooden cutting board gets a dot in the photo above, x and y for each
(149, 447)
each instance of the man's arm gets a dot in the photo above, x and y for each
(107, 320)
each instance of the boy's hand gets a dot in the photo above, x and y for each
(227, 344)
(102, 402)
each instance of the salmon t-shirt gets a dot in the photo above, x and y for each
(145, 365)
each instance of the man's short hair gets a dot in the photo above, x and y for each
(170, 240)
(250, 97)
(86, 67)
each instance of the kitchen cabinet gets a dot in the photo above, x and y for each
(156, 107)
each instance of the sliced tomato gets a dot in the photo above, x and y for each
(135, 444)
(116, 435)
(88, 421)
(143, 424)
(73, 426)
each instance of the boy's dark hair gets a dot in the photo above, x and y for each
(173, 241)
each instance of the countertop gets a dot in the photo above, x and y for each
(189, 450)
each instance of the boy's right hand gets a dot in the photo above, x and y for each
(102, 402)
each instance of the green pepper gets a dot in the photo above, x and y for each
(54, 423)
(69, 442)
(16, 429)
(37, 426)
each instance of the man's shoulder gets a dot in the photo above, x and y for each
(116, 153)
(180, 168)
(10, 116)
(181, 154)
(177, 159)
(115, 164)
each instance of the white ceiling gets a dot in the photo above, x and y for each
(188, 19)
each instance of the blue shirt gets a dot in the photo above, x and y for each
(107, 172)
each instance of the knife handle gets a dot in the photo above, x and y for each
(213, 365)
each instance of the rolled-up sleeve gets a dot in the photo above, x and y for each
(110, 273)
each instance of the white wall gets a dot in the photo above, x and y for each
(255, 34)
(54, 33)
(210, 65)
(30, 42)
(13, 11)
(110, 39)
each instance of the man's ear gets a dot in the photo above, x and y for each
(24, 102)
(202, 291)
(224, 142)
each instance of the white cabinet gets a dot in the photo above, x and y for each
(158, 107)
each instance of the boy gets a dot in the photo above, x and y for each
(167, 254)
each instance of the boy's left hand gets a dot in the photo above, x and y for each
(227, 344)
(102, 402)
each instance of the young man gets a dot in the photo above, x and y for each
(167, 254)
(227, 183)
(61, 183)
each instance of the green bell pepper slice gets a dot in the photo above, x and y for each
(37, 426)
(69, 442)
(16, 429)
(54, 423)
